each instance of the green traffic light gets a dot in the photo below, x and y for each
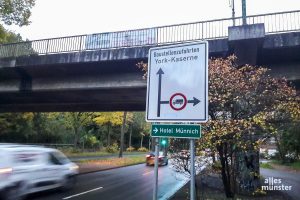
(163, 142)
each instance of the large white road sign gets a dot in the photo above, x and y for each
(177, 88)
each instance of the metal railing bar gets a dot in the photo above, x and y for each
(211, 29)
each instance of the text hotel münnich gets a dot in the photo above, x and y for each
(178, 131)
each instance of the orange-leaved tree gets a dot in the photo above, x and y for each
(237, 94)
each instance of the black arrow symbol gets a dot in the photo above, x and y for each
(160, 73)
(195, 101)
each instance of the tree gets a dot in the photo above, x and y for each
(16, 127)
(16, 11)
(140, 126)
(122, 135)
(8, 36)
(75, 121)
(114, 119)
(109, 119)
(237, 94)
(283, 125)
(38, 121)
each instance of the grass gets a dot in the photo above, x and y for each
(96, 153)
(116, 162)
(294, 165)
(266, 165)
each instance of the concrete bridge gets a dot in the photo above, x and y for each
(98, 72)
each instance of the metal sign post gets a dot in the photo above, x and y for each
(156, 169)
(177, 91)
(192, 183)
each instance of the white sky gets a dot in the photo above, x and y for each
(57, 18)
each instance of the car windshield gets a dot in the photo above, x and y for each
(61, 157)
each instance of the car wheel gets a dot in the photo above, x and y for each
(15, 193)
(68, 183)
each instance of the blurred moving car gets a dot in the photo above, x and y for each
(162, 159)
(27, 169)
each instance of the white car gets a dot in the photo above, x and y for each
(27, 169)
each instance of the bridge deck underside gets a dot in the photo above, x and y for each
(77, 100)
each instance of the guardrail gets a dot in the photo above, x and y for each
(212, 29)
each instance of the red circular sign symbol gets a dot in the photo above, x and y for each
(178, 101)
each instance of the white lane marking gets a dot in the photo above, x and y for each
(75, 195)
(146, 173)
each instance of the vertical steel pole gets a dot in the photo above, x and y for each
(192, 182)
(156, 169)
(244, 14)
(233, 13)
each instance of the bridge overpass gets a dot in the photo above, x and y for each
(98, 72)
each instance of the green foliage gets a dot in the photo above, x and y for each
(112, 118)
(75, 121)
(143, 149)
(290, 142)
(139, 124)
(217, 166)
(8, 36)
(16, 11)
(90, 141)
(295, 165)
(60, 128)
(130, 149)
(266, 165)
(112, 148)
(15, 127)
(283, 123)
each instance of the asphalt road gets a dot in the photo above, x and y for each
(287, 178)
(133, 183)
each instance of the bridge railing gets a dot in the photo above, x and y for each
(212, 29)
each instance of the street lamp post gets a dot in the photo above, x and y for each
(233, 13)
(244, 12)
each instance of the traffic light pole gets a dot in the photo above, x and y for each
(192, 170)
(155, 188)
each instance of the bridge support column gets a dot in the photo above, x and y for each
(26, 80)
(244, 42)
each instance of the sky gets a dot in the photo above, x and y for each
(58, 18)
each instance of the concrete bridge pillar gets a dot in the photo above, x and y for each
(244, 41)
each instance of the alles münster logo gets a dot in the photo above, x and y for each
(275, 184)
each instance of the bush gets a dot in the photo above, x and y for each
(91, 142)
(69, 150)
(142, 149)
(112, 148)
(130, 149)
(217, 166)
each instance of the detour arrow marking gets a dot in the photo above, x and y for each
(173, 102)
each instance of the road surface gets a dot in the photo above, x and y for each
(134, 183)
(287, 178)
